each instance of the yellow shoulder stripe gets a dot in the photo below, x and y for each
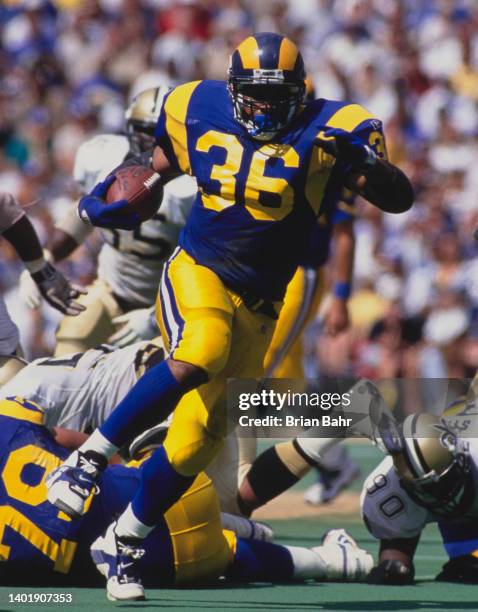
(23, 410)
(177, 102)
(176, 108)
(349, 117)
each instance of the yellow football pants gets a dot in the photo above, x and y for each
(208, 325)
(302, 299)
(202, 549)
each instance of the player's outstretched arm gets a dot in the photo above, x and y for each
(336, 318)
(68, 438)
(65, 238)
(377, 180)
(385, 186)
(21, 234)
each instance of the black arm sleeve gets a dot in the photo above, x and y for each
(387, 187)
(23, 237)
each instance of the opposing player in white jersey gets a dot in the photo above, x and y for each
(17, 229)
(431, 476)
(78, 391)
(119, 303)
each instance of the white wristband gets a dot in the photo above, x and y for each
(83, 216)
(75, 227)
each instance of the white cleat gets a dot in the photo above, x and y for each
(344, 559)
(117, 559)
(70, 485)
(338, 536)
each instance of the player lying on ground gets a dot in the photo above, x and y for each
(80, 390)
(431, 476)
(291, 460)
(186, 548)
(266, 166)
(51, 284)
(119, 302)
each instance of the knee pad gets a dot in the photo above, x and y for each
(191, 458)
(205, 340)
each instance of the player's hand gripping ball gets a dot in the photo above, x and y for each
(123, 200)
(141, 186)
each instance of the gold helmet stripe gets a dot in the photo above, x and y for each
(287, 54)
(249, 53)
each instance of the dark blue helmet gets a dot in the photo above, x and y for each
(266, 83)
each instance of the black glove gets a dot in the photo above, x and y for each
(460, 569)
(57, 291)
(348, 148)
(393, 573)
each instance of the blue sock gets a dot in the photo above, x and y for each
(150, 401)
(459, 538)
(260, 561)
(161, 486)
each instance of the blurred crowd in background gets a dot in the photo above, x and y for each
(68, 67)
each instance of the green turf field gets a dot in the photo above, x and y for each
(425, 596)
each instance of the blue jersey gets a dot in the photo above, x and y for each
(257, 201)
(36, 535)
(33, 533)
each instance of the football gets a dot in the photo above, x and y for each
(141, 186)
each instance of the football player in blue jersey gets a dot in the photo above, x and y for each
(266, 165)
(187, 547)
